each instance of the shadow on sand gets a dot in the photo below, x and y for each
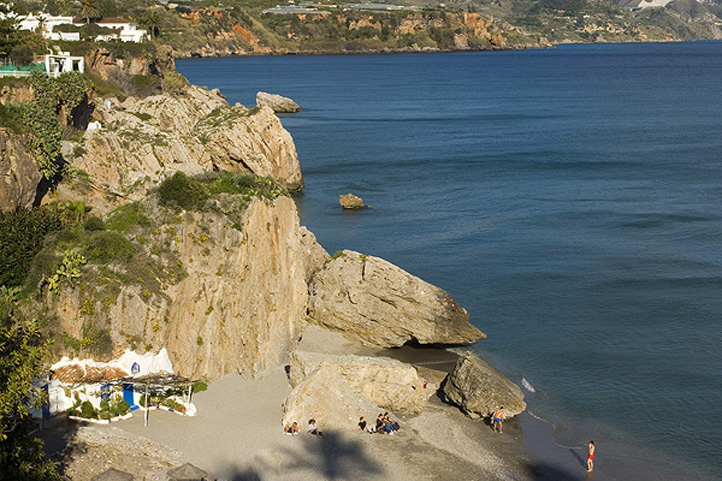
(57, 433)
(329, 458)
(541, 471)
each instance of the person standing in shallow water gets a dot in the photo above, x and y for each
(590, 456)
(498, 417)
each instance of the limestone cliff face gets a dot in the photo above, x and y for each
(370, 299)
(142, 141)
(221, 293)
(19, 173)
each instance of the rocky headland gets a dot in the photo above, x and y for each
(187, 239)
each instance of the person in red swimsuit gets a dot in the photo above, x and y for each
(590, 456)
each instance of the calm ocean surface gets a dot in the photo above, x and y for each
(570, 199)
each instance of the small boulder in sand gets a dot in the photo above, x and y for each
(352, 202)
(480, 389)
(278, 103)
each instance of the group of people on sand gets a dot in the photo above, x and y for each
(384, 425)
(292, 429)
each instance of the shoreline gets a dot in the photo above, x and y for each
(421, 52)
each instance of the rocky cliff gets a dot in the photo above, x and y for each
(224, 289)
(19, 172)
(140, 141)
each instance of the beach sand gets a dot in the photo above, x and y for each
(237, 435)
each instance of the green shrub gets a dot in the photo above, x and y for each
(143, 116)
(126, 217)
(199, 386)
(180, 191)
(22, 55)
(93, 224)
(12, 116)
(193, 193)
(119, 408)
(107, 246)
(87, 410)
(21, 238)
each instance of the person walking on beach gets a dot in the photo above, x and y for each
(590, 456)
(498, 419)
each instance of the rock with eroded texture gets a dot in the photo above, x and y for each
(372, 300)
(352, 202)
(19, 173)
(388, 383)
(223, 290)
(278, 103)
(146, 140)
(326, 397)
(480, 390)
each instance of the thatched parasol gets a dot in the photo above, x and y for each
(187, 472)
(112, 474)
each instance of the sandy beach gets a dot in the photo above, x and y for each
(237, 435)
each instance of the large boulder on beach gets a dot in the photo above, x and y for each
(326, 397)
(278, 103)
(380, 304)
(479, 390)
(388, 383)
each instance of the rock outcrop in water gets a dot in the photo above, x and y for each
(277, 103)
(370, 299)
(480, 390)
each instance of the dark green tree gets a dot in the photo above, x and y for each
(89, 9)
(151, 20)
(22, 357)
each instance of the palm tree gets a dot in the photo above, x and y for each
(151, 21)
(89, 9)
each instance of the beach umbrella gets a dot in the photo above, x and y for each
(112, 474)
(187, 472)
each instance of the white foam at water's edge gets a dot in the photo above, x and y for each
(527, 385)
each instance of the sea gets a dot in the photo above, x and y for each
(569, 198)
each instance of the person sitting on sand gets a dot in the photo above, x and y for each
(362, 424)
(498, 418)
(313, 428)
(292, 429)
(590, 456)
(380, 424)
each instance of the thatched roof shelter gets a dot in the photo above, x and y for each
(187, 472)
(112, 474)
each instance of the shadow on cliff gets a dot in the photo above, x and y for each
(333, 457)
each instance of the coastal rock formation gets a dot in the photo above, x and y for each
(138, 75)
(352, 202)
(479, 389)
(326, 397)
(370, 299)
(388, 383)
(278, 103)
(223, 290)
(145, 140)
(19, 173)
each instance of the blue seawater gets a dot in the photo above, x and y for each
(570, 199)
